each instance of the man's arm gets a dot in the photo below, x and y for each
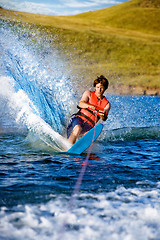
(84, 100)
(104, 114)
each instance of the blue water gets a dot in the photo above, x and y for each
(119, 195)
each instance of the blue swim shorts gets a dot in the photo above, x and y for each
(77, 121)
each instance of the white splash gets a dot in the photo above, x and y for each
(127, 214)
(27, 114)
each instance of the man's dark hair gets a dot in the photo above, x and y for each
(101, 80)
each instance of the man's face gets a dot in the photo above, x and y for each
(99, 89)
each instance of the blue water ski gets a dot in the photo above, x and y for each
(84, 142)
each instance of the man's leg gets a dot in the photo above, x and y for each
(76, 131)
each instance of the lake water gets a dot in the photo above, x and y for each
(119, 196)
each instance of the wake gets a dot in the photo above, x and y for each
(33, 95)
(131, 134)
(27, 114)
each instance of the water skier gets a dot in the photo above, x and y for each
(92, 107)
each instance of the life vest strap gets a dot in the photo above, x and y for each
(88, 118)
(89, 110)
(79, 113)
(92, 112)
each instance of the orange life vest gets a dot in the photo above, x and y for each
(92, 116)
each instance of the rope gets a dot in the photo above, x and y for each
(78, 183)
(83, 169)
(80, 177)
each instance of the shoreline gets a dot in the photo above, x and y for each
(133, 90)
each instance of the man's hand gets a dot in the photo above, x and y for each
(103, 116)
(91, 106)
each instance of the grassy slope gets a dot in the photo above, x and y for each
(122, 41)
(139, 15)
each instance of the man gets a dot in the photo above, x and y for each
(93, 106)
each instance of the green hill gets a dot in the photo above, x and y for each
(139, 15)
(121, 42)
